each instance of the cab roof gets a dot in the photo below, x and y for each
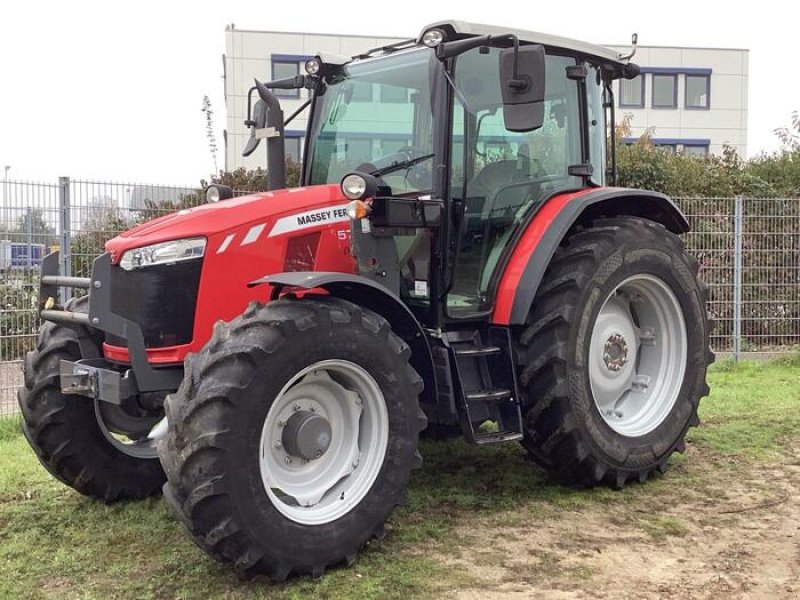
(469, 29)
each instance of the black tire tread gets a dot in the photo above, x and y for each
(552, 439)
(192, 455)
(57, 426)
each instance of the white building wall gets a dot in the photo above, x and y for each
(249, 54)
(724, 122)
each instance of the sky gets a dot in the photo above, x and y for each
(113, 91)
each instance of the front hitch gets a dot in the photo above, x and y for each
(93, 376)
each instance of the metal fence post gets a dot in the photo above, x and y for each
(66, 227)
(738, 223)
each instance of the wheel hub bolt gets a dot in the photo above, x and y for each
(615, 352)
(278, 444)
(287, 460)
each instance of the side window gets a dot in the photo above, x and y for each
(597, 125)
(500, 175)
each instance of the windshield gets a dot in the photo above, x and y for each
(377, 116)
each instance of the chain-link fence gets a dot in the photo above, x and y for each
(76, 217)
(748, 249)
(749, 254)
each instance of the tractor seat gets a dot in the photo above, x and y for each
(492, 177)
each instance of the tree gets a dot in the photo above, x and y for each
(102, 220)
(241, 180)
(782, 168)
(212, 139)
(646, 166)
(790, 135)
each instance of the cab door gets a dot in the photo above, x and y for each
(499, 177)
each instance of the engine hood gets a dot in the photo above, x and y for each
(269, 213)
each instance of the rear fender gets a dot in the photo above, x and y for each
(365, 292)
(551, 223)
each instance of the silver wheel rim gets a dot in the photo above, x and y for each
(637, 355)
(142, 447)
(323, 488)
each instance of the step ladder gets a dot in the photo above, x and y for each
(485, 386)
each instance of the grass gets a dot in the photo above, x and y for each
(752, 409)
(54, 542)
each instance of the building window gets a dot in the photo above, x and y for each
(395, 94)
(697, 91)
(362, 91)
(291, 146)
(665, 91)
(671, 148)
(695, 150)
(391, 146)
(631, 92)
(284, 70)
(360, 148)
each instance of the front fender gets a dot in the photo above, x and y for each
(369, 294)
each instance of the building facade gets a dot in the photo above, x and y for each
(690, 100)
(269, 55)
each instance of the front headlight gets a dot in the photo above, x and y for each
(163, 253)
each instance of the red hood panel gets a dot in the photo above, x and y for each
(262, 208)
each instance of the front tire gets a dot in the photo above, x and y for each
(72, 435)
(247, 484)
(616, 354)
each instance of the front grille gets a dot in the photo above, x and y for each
(162, 299)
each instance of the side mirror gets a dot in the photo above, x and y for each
(259, 121)
(522, 81)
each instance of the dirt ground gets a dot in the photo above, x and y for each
(737, 537)
(10, 379)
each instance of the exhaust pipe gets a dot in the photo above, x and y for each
(273, 132)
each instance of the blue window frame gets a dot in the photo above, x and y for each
(293, 144)
(631, 92)
(695, 149)
(697, 92)
(665, 90)
(284, 66)
(282, 70)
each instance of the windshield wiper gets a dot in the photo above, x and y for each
(403, 164)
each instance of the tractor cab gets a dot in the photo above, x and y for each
(448, 144)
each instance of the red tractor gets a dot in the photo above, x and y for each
(456, 259)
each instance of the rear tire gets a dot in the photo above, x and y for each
(616, 353)
(65, 432)
(224, 454)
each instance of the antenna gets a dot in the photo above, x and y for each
(634, 42)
